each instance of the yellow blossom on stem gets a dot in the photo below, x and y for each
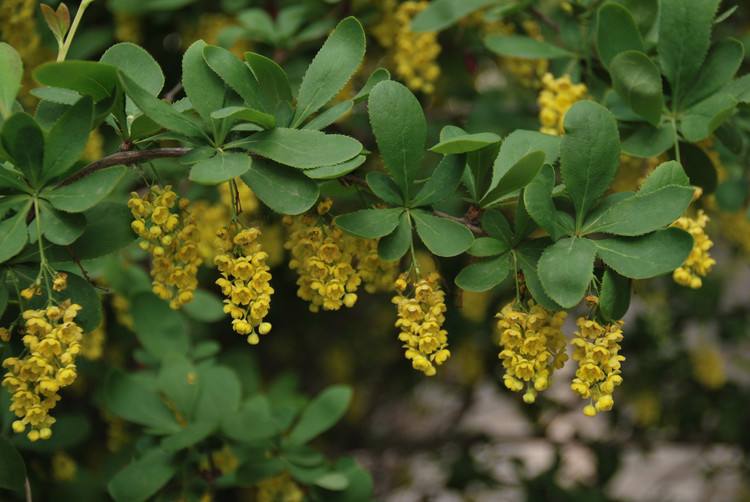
(245, 280)
(532, 347)
(596, 349)
(699, 262)
(168, 232)
(60, 282)
(52, 340)
(421, 314)
(555, 99)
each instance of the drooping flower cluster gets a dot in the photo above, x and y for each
(377, 275)
(596, 349)
(53, 341)
(555, 99)
(323, 256)
(245, 281)
(279, 488)
(699, 262)
(92, 345)
(532, 347)
(414, 54)
(421, 314)
(169, 233)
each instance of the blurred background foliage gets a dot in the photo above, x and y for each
(680, 430)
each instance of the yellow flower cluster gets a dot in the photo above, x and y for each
(533, 347)
(377, 275)
(279, 488)
(735, 227)
(169, 233)
(699, 262)
(555, 99)
(121, 308)
(414, 54)
(92, 346)
(63, 467)
(245, 281)
(53, 341)
(323, 256)
(18, 25)
(708, 365)
(528, 72)
(421, 315)
(596, 348)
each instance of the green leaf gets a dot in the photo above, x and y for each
(590, 154)
(616, 32)
(253, 422)
(159, 111)
(518, 145)
(131, 399)
(684, 38)
(222, 167)
(98, 80)
(740, 89)
(136, 63)
(23, 140)
(395, 245)
(519, 46)
(377, 76)
(566, 269)
(731, 195)
(465, 143)
(495, 224)
(518, 176)
(191, 435)
(234, 73)
(667, 173)
(336, 170)
(61, 228)
(638, 81)
(220, 394)
(645, 13)
(331, 69)
(273, 83)
(67, 139)
(701, 120)
(330, 116)
(537, 197)
(528, 254)
(484, 275)
(644, 257)
(11, 73)
(384, 188)
(321, 414)
(159, 329)
(141, 479)
(647, 141)
(12, 468)
(484, 247)
(614, 297)
(281, 188)
(106, 218)
(13, 234)
(79, 291)
(87, 192)
(178, 381)
(720, 67)
(370, 223)
(441, 14)
(205, 307)
(204, 87)
(303, 148)
(443, 237)
(245, 114)
(443, 182)
(400, 130)
(4, 295)
(699, 167)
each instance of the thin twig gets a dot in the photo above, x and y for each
(474, 228)
(541, 16)
(127, 157)
(173, 92)
(27, 489)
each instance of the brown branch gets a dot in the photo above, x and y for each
(127, 157)
(173, 92)
(544, 19)
(464, 221)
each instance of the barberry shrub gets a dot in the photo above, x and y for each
(237, 143)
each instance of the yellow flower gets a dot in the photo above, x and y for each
(279, 488)
(92, 346)
(94, 146)
(532, 347)
(414, 54)
(708, 366)
(699, 262)
(63, 467)
(121, 308)
(168, 232)
(60, 282)
(421, 315)
(528, 72)
(52, 341)
(596, 350)
(245, 280)
(555, 99)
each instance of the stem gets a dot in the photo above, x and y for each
(27, 490)
(515, 279)
(43, 266)
(127, 157)
(414, 263)
(676, 140)
(63, 52)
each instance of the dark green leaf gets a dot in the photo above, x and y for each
(701, 120)
(253, 422)
(442, 183)
(519, 46)
(220, 394)
(272, 81)
(528, 254)
(721, 65)
(12, 468)
(11, 73)
(205, 307)
(330, 116)
(87, 192)
(616, 32)
(178, 381)
(245, 114)
(384, 187)
(540, 205)
(23, 140)
(106, 218)
(441, 14)
(222, 167)
(648, 141)
(699, 167)
(395, 245)
(484, 275)
(192, 434)
(443, 237)
(336, 170)
(98, 80)
(59, 227)
(129, 398)
(370, 223)
(141, 479)
(638, 81)
(465, 143)
(495, 224)
(488, 246)
(159, 328)
(13, 234)
(204, 87)
(614, 297)
(283, 189)
(234, 73)
(566, 269)
(518, 145)
(321, 414)
(517, 177)
(303, 148)
(649, 256)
